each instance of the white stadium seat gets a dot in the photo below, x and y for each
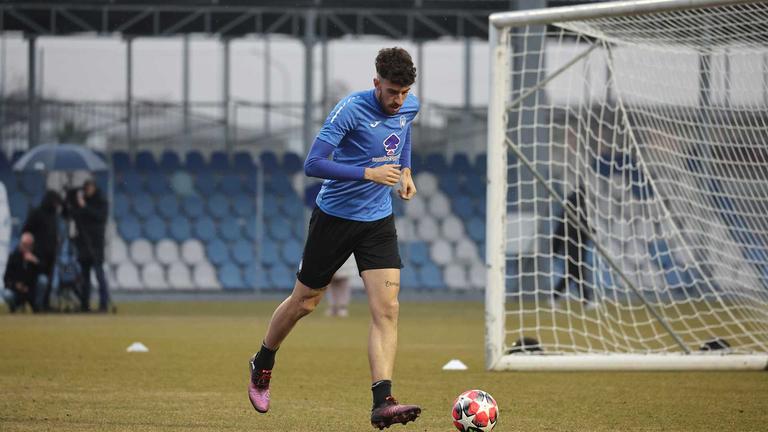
(167, 251)
(153, 276)
(141, 252)
(179, 276)
(118, 251)
(477, 276)
(415, 207)
(426, 183)
(127, 276)
(441, 252)
(193, 252)
(406, 229)
(439, 206)
(466, 252)
(452, 229)
(455, 277)
(427, 229)
(204, 277)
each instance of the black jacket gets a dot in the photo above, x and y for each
(42, 223)
(18, 270)
(91, 223)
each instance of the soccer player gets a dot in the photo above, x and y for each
(368, 134)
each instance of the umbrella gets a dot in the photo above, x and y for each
(60, 157)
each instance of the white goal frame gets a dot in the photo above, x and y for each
(498, 147)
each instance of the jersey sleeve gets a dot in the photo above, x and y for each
(405, 155)
(340, 121)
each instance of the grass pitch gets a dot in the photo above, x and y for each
(71, 373)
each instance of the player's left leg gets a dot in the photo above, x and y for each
(383, 286)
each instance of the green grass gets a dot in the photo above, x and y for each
(71, 373)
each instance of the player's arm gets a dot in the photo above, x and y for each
(407, 186)
(319, 165)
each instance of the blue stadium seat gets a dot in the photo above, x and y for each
(435, 162)
(291, 252)
(244, 205)
(418, 253)
(155, 229)
(180, 229)
(398, 206)
(193, 206)
(195, 162)
(417, 163)
(168, 207)
(204, 229)
(243, 162)
(409, 278)
(121, 206)
(230, 277)
(255, 277)
(251, 181)
(460, 163)
(243, 253)
(292, 207)
(121, 161)
(205, 184)
(431, 277)
(218, 252)
(271, 211)
(251, 227)
(157, 184)
(268, 161)
(476, 229)
(281, 277)
(145, 162)
(230, 229)
(292, 163)
(481, 163)
(278, 184)
(461, 205)
(143, 205)
(170, 161)
(279, 229)
(129, 182)
(269, 253)
(129, 229)
(218, 206)
(449, 183)
(219, 162)
(231, 184)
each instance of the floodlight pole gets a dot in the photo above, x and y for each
(225, 94)
(310, 37)
(129, 94)
(33, 122)
(185, 84)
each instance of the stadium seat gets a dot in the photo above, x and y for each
(180, 229)
(121, 161)
(291, 252)
(157, 184)
(153, 276)
(205, 184)
(168, 207)
(268, 161)
(409, 278)
(292, 163)
(193, 252)
(418, 253)
(251, 229)
(278, 229)
(230, 229)
(460, 163)
(477, 276)
(193, 206)
(127, 276)
(255, 277)
(155, 229)
(406, 229)
(129, 182)
(205, 229)
(438, 205)
(435, 162)
(243, 253)
(218, 206)
(179, 276)
(167, 252)
(398, 206)
(204, 277)
(242, 162)
(427, 229)
(426, 183)
(466, 252)
(481, 164)
(231, 277)
(143, 206)
(231, 184)
(462, 207)
(244, 205)
(451, 229)
(281, 277)
(416, 207)
(269, 253)
(219, 162)
(218, 252)
(182, 184)
(145, 162)
(476, 229)
(431, 277)
(129, 228)
(121, 206)
(195, 162)
(141, 251)
(441, 252)
(450, 184)
(170, 161)
(455, 277)
(118, 251)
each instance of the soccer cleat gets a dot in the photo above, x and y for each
(390, 412)
(258, 387)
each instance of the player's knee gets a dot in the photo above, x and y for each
(305, 305)
(388, 310)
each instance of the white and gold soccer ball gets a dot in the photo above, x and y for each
(475, 411)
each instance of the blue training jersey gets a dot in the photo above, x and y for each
(364, 136)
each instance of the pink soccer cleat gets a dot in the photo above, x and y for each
(258, 388)
(391, 412)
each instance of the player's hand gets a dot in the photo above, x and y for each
(407, 187)
(387, 175)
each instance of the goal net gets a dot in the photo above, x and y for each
(627, 222)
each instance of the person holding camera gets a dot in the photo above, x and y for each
(43, 224)
(90, 214)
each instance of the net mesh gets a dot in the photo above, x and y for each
(657, 138)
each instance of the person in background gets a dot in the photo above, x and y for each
(24, 281)
(90, 215)
(42, 224)
(340, 291)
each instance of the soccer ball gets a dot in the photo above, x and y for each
(475, 411)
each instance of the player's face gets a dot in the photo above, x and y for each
(391, 96)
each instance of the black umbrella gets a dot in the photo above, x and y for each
(60, 157)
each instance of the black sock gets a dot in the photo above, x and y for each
(265, 358)
(381, 389)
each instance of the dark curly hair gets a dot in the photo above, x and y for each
(395, 65)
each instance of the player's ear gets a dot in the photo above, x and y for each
(376, 82)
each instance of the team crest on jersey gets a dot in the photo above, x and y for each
(391, 143)
(402, 121)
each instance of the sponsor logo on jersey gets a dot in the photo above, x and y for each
(391, 143)
(402, 121)
(376, 123)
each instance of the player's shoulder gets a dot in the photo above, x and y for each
(349, 106)
(411, 104)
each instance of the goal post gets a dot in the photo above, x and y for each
(627, 198)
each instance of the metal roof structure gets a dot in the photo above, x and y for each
(398, 19)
